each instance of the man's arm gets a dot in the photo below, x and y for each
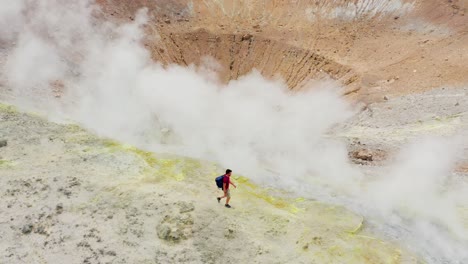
(232, 184)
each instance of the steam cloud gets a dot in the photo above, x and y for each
(256, 126)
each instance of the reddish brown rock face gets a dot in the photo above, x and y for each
(371, 46)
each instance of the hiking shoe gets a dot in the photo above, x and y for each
(219, 199)
(228, 206)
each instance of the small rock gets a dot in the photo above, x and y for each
(83, 244)
(41, 230)
(27, 229)
(229, 233)
(185, 219)
(185, 207)
(59, 208)
(363, 154)
(317, 240)
(247, 37)
(176, 235)
(457, 104)
(385, 98)
(111, 253)
(3, 143)
(74, 182)
(163, 232)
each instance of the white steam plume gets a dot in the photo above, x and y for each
(420, 192)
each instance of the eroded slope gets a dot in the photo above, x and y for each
(71, 196)
(374, 47)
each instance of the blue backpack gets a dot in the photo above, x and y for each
(219, 181)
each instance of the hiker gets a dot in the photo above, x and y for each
(226, 181)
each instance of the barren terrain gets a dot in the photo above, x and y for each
(374, 47)
(111, 137)
(69, 196)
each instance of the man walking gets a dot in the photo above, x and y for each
(226, 183)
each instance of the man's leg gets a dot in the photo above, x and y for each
(228, 195)
(219, 198)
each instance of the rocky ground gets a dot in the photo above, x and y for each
(70, 196)
(383, 127)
